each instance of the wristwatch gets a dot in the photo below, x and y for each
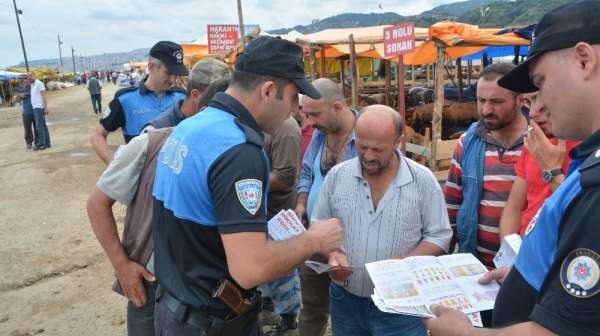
(548, 175)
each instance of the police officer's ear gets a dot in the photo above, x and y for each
(268, 91)
(587, 58)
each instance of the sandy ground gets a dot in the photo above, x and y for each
(54, 277)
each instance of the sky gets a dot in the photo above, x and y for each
(97, 27)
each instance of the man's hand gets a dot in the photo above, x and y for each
(46, 110)
(448, 322)
(546, 155)
(131, 276)
(328, 234)
(340, 267)
(498, 274)
(300, 211)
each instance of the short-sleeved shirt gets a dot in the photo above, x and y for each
(36, 94)
(120, 179)
(411, 211)
(211, 179)
(283, 150)
(169, 118)
(556, 279)
(537, 189)
(26, 94)
(132, 108)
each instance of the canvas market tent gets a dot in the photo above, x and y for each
(437, 44)
(193, 52)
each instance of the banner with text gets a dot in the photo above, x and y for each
(222, 38)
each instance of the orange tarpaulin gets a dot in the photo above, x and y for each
(193, 52)
(461, 39)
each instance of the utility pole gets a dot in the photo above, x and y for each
(241, 18)
(60, 51)
(17, 12)
(73, 59)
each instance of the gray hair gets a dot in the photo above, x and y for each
(155, 61)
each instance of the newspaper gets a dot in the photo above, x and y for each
(507, 254)
(410, 286)
(285, 225)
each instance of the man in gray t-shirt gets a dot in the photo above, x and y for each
(390, 207)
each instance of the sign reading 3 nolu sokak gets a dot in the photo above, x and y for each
(399, 40)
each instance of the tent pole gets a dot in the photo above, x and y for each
(353, 71)
(401, 99)
(438, 106)
(428, 70)
(322, 72)
(342, 78)
(388, 81)
(460, 79)
(469, 72)
(313, 63)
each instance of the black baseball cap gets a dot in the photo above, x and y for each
(560, 28)
(171, 54)
(271, 56)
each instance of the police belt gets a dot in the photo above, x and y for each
(200, 318)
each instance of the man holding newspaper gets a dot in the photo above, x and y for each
(390, 207)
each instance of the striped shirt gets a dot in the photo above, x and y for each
(498, 177)
(412, 210)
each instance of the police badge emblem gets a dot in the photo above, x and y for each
(249, 193)
(580, 273)
(178, 56)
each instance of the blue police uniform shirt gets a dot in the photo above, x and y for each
(542, 231)
(211, 179)
(134, 107)
(557, 273)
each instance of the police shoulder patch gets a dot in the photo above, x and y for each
(580, 273)
(249, 193)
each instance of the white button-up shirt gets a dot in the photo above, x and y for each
(412, 210)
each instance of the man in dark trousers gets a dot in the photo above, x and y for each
(95, 88)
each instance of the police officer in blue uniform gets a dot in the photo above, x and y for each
(210, 191)
(554, 286)
(135, 106)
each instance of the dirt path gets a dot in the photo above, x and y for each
(54, 277)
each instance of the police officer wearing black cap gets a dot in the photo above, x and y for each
(554, 286)
(134, 107)
(209, 224)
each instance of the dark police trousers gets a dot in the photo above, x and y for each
(172, 318)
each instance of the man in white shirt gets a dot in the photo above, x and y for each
(390, 207)
(39, 101)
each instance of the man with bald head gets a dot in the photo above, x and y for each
(390, 207)
(333, 141)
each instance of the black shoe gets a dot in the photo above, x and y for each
(286, 324)
(37, 148)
